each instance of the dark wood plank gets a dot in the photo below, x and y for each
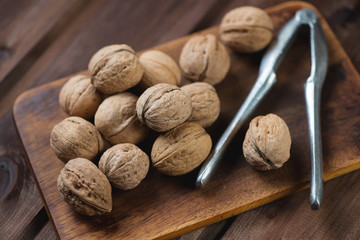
(292, 218)
(32, 65)
(19, 199)
(176, 195)
(46, 233)
(22, 25)
(27, 28)
(212, 232)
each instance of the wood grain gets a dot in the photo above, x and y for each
(16, 39)
(26, 31)
(46, 232)
(291, 217)
(19, 199)
(32, 65)
(169, 195)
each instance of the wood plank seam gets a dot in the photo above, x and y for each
(44, 43)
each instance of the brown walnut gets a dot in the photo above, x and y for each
(163, 107)
(75, 137)
(78, 97)
(116, 69)
(246, 29)
(204, 59)
(267, 142)
(102, 52)
(117, 121)
(84, 187)
(181, 149)
(205, 103)
(125, 165)
(158, 68)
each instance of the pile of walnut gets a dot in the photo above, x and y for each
(107, 122)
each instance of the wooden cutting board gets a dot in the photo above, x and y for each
(163, 206)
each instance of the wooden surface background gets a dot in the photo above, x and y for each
(43, 40)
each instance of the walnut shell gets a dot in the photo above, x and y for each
(103, 52)
(163, 107)
(267, 142)
(181, 149)
(246, 29)
(84, 187)
(78, 97)
(205, 103)
(204, 59)
(75, 137)
(125, 165)
(117, 121)
(117, 70)
(158, 68)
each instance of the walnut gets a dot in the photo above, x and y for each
(246, 29)
(125, 165)
(75, 137)
(117, 121)
(181, 149)
(267, 142)
(204, 59)
(158, 68)
(84, 187)
(103, 52)
(78, 97)
(163, 107)
(117, 69)
(205, 103)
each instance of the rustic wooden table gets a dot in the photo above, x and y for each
(43, 40)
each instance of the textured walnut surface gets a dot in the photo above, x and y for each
(204, 59)
(267, 142)
(158, 68)
(75, 137)
(117, 69)
(181, 149)
(84, 187)
(78, 97)
(117, 121)
(125, 165)
(102, 52)
(205, 103)
(163, 107)
(246, 29)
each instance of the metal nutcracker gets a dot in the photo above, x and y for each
(266, 79)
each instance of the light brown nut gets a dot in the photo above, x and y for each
(204, 59)
(116, 71)
(125, 165)
(85, 188)
(246, 29)
(163, 107)
(117, 121)
(158, 68)
(267, 142)
(181, 149)
(75, 137)
(205, 103)
(103, 52)
(78, 97)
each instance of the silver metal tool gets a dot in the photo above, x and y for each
(266, 79)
